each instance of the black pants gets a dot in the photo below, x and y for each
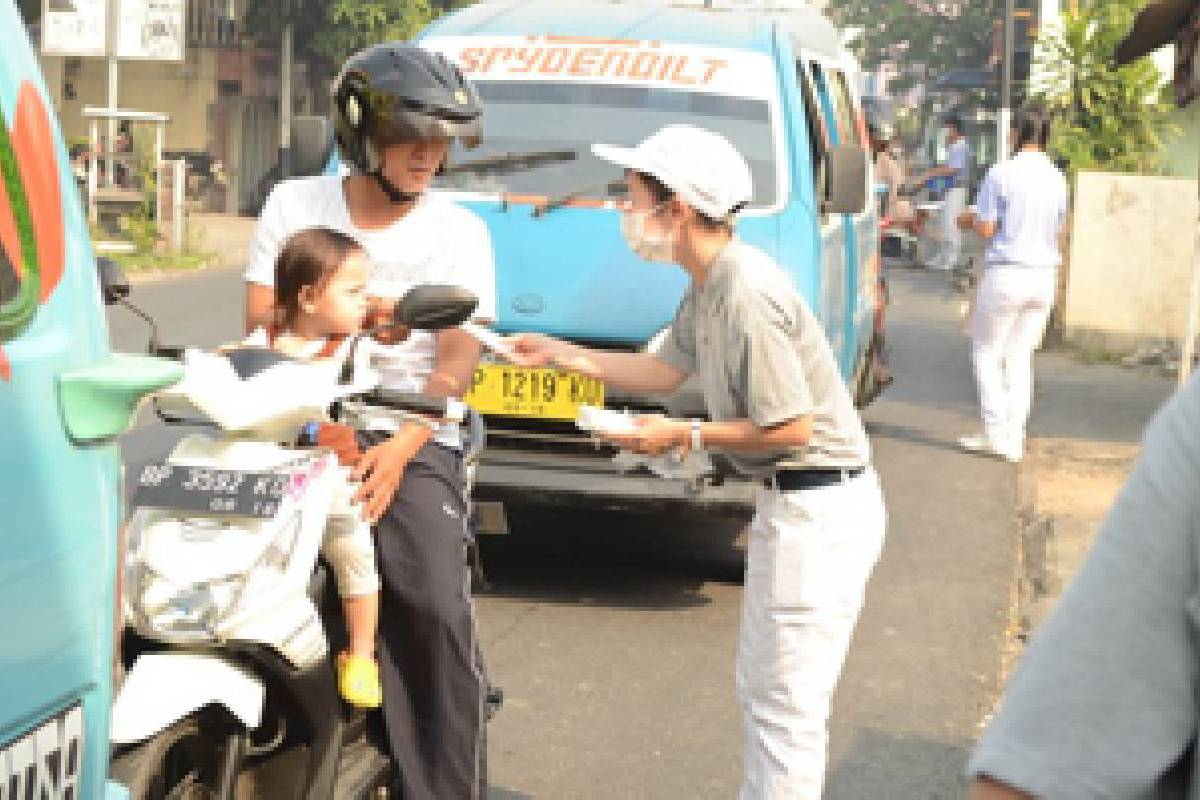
(430, 662)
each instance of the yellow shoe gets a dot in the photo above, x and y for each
(358, 681)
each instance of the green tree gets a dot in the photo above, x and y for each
(931, 37)
(1105, 118)
(327, 31)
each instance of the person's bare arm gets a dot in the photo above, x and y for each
(455, 360)
(260, 306)
(382, 467)
(656, 435)
(635, 372)
(970, 221)
(987, 789)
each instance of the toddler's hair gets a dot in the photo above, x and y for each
(310, 257)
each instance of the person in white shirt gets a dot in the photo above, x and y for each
(396, 110)
(958, 169)
(1020, 210)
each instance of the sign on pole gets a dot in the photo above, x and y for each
(151, 30)
(146, 30)
(75, 27)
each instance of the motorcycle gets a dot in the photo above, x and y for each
(231, 622)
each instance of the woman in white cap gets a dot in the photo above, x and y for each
(777, 406)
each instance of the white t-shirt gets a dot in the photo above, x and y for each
(438, 241)
(1027, 197)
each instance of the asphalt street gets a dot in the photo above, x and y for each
(614, 637)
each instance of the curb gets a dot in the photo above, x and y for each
(157, 275)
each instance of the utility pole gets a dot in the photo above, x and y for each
(113, 12)
(1004, 118)
(285, 98)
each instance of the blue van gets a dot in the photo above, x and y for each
(556, 77)
(63, 398)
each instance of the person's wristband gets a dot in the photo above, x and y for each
(697, 435)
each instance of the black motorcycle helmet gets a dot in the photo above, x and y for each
(398, 92)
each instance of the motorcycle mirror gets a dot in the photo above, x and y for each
(434, 307)
(114, 286)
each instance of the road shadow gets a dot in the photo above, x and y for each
(612, 559)
(911, 435)
(499, 793)
(882, 764)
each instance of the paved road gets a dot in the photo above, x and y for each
(614, 637)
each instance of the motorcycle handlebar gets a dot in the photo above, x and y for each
(416, 403)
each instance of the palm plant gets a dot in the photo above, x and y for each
(1106, 118)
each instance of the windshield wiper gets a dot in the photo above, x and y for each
(511, 162)
(611, 189)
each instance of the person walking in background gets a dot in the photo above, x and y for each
(1020, 211)
(887, 167)
(957, 170)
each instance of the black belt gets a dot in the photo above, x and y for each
(794, 480)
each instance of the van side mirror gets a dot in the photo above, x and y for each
(114, 286)
(845, 180)
(311, 142)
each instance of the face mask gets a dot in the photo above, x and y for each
(647, 246)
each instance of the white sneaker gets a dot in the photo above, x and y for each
(985, 445)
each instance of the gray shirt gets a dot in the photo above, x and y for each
(760, 354)
(1104, 703)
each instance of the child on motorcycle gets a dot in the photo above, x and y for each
(321, 302)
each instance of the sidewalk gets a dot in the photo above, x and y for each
(225, 235)
(1085, 435)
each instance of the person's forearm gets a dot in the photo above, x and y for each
(743, 436)
(634, 372)
(454, 366)
(409, 440)
(260, 306)
(985, 230)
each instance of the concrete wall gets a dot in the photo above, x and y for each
(185, 91)
(1133, 242)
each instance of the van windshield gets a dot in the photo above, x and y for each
(525, 116)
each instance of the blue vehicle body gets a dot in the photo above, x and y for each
(61, 495)
(569, 273)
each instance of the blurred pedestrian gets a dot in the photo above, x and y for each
(887, 168)
(956, 171)
(1020, 210)
(1103, 704)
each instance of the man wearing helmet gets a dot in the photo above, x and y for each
(396, 110)
(780, 411)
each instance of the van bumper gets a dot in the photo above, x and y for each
(566, 481)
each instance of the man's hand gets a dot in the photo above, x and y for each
(966, 220)
(535, 350)
(654, 436)
(379, 312)
(380, 470)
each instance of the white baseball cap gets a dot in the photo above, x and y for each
(703, 168)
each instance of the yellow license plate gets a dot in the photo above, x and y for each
(524, 392)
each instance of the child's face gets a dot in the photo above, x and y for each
(341, 306)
